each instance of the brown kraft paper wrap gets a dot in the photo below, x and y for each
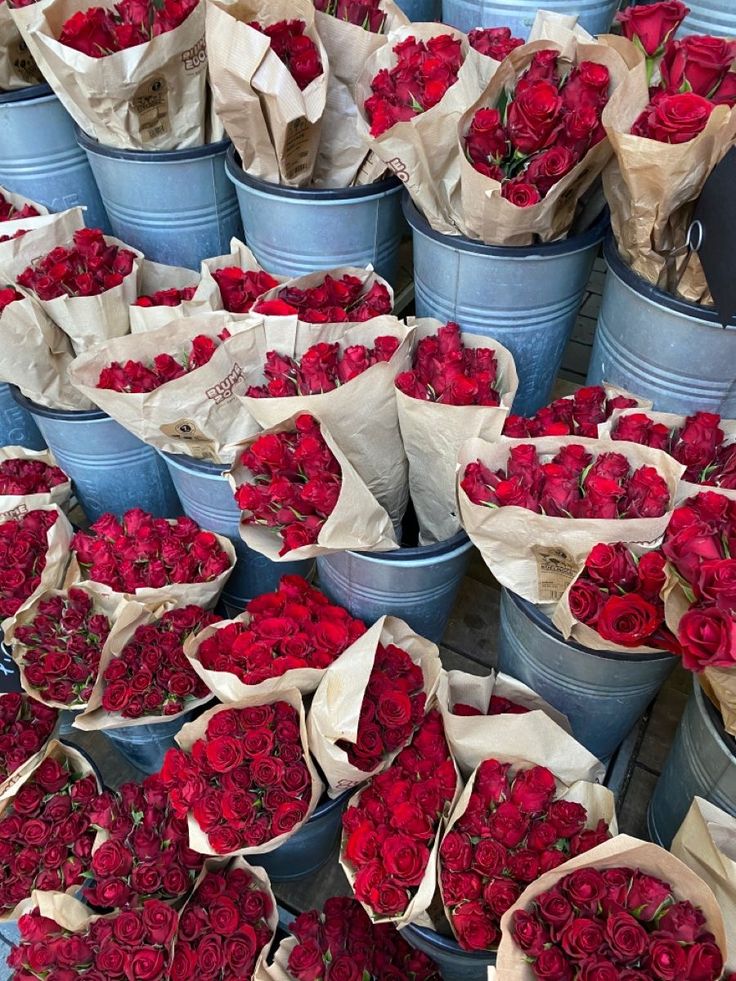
(274, 126)
(241, 256)
(538, 556)
(620, 852)
(148, 97)
(652, 187)
(342, 150)
(335, 711)
(358, 521)
(129, 617)
(155, 277)
(79, 765)
(433, 434)
(491, 218)
(58, 539)
(203, 594)
(197, 414)
(360, 414)
(27, 20)
(42, 233)
(422, 151)
(192, 731)
(706, 843)
(18, 70)
(58, 495)
(536, 737)
(108, 605)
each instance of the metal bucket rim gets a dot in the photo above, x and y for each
(546, 250)
(92, 145)
(713, 721)
(62, 415)
(420, 554)
(449, 944)
(238, 176)
(545, 624)
(32, 93)
(203, 468)
(694, 311)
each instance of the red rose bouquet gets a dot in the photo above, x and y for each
(132, 73)
(171, 297)
(391, 828)
(367, 14)
(144, 677)
(536, 510)
(342, 940)
(626, 909)
(509, 827)
(494, 42)
(370, 702)
(61, 938)
(345, 377)
(500, 712)
(579, 414)
(141, 851)
(57, 642)
(175, 387)
(300, 496)
(227, 926)
(45, 831)
(167, 293)
(152, 559)
(461, 385)
(679, 127)
(34, 551)
(243, 777)
(25, 727)
(351, 295)
(269, 73)
(616, 602)
(234, 282)
(285, 639)
(30, 478)
(15, 208)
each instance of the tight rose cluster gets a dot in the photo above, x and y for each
(135, 377)
(98, 31)
(87, 266)
(167, 298)
(240, 288)
(494, 42)
(550, 123)
(294, 48)
(21, 477)
(573, 484)
(333, 301)
(363, 13)
(579, 415)
(25, 725)
(23, 548)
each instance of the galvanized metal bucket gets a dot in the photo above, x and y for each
(145, 746)
(176, 206)
(525, 298)
(311, 847)
(17, 427)
(455, 964)
(296, 230)
(603, 693)
(716, 17)
(110, 468)
(701, 763)
(670, 351)
(39, 156)
(594, 15)
(419, 585)
(206, 496)
(421, 11)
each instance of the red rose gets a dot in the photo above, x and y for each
(652, 24)
(646, 896)
(529, 934)
(674, 118)
(708, 638)
(306, 961)
(583, 937)
(627, 937)
(586, 601)
(704, 962)
(667, 960)
(521, 192)
(533, 116)
(699, 62)
(628, 621)
(473, 928)
(405, 859)
(585, 887)
(533, 789)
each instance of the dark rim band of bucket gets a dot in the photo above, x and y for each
(236, 174)
(448, 945)
(83, 415)
(418, 552)
(625, 273)
(544, 623)
(88, 142)
(43, 91)
(205, 467)
(546, 250)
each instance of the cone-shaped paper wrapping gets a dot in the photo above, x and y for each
(58, 538)
(433, 434)
(706, 843)
(18, 201)
(41, 234)
(242, 257)
(130, 616)
(620, 852)
(197, 414)
(652, 187)
(79, 765)
(357, 523)
(274, 126)
(335, 712)
(488, 216)
(155, 277)
(360, 414)
(366, 274)
(535, 737)
(148, 97)
(342, 151)
(17, 67)
(538, 556)
(423, 151)
(57, 495)
(193, 731)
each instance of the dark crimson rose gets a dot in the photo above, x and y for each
(612, 565)
(646, 896)
(586, 602)
(533, 116)
(674, 118)
(708, 638)
(583, 938)
(628, 620)
(698, 62)
(521, 192)
(667, 960)
(627, 937)
(652, 24)
(472, 927)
